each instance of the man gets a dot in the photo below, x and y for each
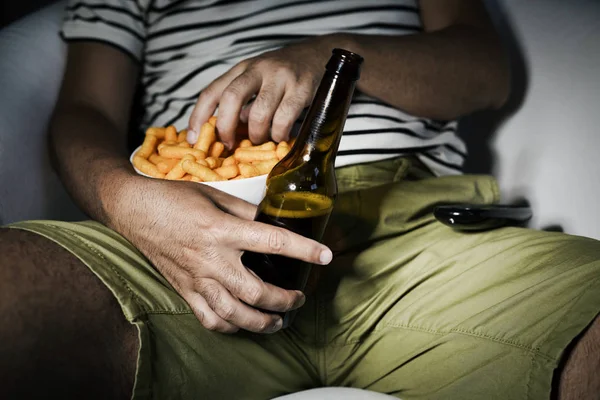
(153, 300)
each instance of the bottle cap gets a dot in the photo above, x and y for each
(344, 62)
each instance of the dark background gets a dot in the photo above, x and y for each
(11, 10)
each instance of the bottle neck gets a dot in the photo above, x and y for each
(321, 131)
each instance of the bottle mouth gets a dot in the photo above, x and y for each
(347, 56)
(345, 62)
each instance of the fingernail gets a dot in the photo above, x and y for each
(278, 325)
(192, 136)
(326, 257)
(301, 301)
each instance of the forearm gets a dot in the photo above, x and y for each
(441, 75)
(90, 156)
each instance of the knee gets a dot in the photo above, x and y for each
(52, 307)
(18, 249)
(25, 258)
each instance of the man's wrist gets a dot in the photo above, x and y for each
(113, 189)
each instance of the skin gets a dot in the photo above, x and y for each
(201, 259)
(404, 71)
(97, 94)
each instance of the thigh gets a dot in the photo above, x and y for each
(61, 331)
(177, 357)
(422, 311)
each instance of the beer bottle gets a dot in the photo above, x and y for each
(302, 187)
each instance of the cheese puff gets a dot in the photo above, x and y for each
(147, 167)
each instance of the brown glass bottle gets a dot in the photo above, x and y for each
(301, 188)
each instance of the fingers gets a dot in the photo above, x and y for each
(210, 98)
(207, 317)
(263, 108)
(282, 91)
(246, 112)
(253, 291)
(234, 312)
(289, 110)
(234, 97)
(230, 204)
(267, 239)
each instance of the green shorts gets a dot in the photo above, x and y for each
(408, 307)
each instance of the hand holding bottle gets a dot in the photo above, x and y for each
(197, 247)
(302, 187)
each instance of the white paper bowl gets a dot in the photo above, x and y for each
(250, 189)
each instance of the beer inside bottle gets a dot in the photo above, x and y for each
(301, 188)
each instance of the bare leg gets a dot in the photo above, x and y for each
(62, 333)
(580, 376)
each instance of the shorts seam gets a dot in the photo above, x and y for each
(168, 312)
(132, 294)
(144, 311)
(346, 183)
(529, 376)
(534, 350)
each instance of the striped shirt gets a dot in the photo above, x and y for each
(183, 45)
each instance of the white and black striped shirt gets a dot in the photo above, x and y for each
(183, 45)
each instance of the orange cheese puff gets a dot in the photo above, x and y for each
(265, 167)
(229, 161)
(155, 159)
(200, 171)
(196, 179)
(216, 149)
(156, 131)
(180, 152)
(203, 162)
(178, 172)
(213, 162)
(213, 121)
(247, 155)
(167, 165)
(264, 146)
(186, 177)
(206, 137)
(248, 171)
(245, 143)
(228, 171)
(237, 178)
(148, 146)
(147, 167)
(182, 136)
(170, 134)
(184, 144)
(164, 144)
(282, 149)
